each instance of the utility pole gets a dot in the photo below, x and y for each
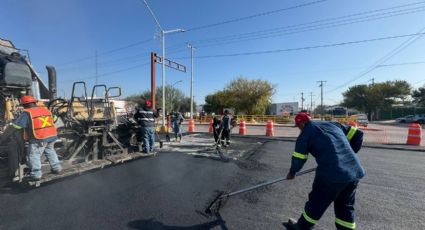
(96, 66)
(302, 101)
(373, 81)
(191, 79)
(321, 99)
(311, 102)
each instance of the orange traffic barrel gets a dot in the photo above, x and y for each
(242, 128)
(269, 128)
(210, 128)
(414, 136)
(191, 128)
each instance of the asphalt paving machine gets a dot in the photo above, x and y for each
(91, 134)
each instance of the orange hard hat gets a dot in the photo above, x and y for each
(27, 99)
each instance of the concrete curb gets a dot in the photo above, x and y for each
(248, 124)
(293, 139)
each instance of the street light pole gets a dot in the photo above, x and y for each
(163, 32)
(163, 77)
(191, 79)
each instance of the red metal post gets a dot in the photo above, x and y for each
(153, 77)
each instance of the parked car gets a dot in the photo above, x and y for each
(362, 120)
(419, 118)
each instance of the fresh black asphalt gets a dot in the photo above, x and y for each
(167, 191)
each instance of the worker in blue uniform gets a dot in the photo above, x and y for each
(334, 146)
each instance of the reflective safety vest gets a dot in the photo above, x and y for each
(42, 122)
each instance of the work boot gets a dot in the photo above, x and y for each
(292, 224)
(57, 171)
(33, 178)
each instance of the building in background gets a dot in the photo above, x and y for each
(285, 108)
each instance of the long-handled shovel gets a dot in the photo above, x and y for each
(217, 201)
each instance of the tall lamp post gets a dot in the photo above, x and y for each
(191, 79)
(172, 94)
(163, 33)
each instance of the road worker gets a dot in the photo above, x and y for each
(334, 147)
(216, 128)
(176, 122)
(145, 117)
(37, 122)
(226, 124)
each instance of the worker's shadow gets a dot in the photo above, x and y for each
(153, 224)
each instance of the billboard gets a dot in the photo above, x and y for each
(285, 108)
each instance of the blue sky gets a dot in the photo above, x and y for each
(67, 34)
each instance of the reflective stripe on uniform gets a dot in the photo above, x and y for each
(146, 119)
(307, 218)
(145, 112)
(351, 133)
(16, 126)
(300, 155)
(345, 223)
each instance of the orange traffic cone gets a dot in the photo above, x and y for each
(242, 128)
(210, 128)
(414, 136)
(269, 128)
(191, 128)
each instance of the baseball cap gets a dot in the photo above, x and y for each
(301, 117)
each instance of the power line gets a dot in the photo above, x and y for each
(110, 73)
(306, 47)
(401, 64)
(269, 31)
(385, 58)
(105, 52)
(254, 16)
(300, 30)
(314, 25)
(195, 28)
(116, 60)
(108, 63)
(310, 26)
(238, 19)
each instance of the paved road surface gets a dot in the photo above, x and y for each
(164, 192)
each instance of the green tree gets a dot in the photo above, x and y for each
(418, 96)
(250, 96)
(175, 99)
(373, 98)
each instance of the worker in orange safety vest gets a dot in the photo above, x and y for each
(40, 131)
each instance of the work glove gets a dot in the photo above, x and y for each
(290, 176)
